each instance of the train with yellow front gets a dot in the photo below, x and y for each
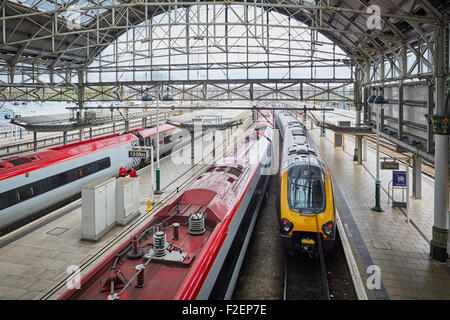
(305, 202)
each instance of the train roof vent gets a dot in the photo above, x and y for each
(235, 172)
(292, 150)
(305, 150)
(19, 161)
(299, 132)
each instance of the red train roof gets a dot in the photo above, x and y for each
(14, 166)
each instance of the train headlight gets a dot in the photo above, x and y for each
(286, 225)
(327, 228)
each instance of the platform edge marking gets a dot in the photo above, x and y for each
(354, 271)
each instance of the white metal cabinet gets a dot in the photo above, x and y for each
(127, 200)
(98, 200)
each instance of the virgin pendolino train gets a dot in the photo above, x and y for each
(34, 182)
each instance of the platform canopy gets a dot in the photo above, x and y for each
(212, 119)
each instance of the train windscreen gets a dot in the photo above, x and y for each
(306, 191)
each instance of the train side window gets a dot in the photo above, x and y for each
(10, 198)
(35, 189)
(73, 176)
(63, 178)
(103, 164)
(25, 193)
(84, 171)
(44, 185)
(1, 202)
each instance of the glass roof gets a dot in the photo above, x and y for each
(84, 16)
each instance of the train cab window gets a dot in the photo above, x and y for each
(305, 191)
(167, 140)
(305, 194)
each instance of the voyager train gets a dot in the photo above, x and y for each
(36, 181)
(192, 248)
(305, 202)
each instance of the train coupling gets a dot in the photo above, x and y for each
(307, 245)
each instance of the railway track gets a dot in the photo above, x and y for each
(305, 278)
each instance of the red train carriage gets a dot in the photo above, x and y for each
(193, 248)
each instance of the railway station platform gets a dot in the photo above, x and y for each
(36, 257)
(383, 241)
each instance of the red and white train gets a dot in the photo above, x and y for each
(194, 247)
(36, 181)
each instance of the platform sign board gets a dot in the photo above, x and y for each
(142, 154)
(390, 165)
(399, 179)
(338, 140)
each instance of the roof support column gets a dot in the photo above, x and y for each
(438, 246)
(400, 110)
(34, 141)
(417, 177)
(430, 106)
(357, 95)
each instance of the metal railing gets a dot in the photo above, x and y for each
(15, 147)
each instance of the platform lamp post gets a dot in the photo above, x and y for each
(379, 102)
(158, 170)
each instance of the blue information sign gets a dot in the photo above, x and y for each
(399, 179)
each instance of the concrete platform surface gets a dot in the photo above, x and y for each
(384, 244)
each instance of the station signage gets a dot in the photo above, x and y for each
(399, 179)
(390, 165)
(142, 154)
